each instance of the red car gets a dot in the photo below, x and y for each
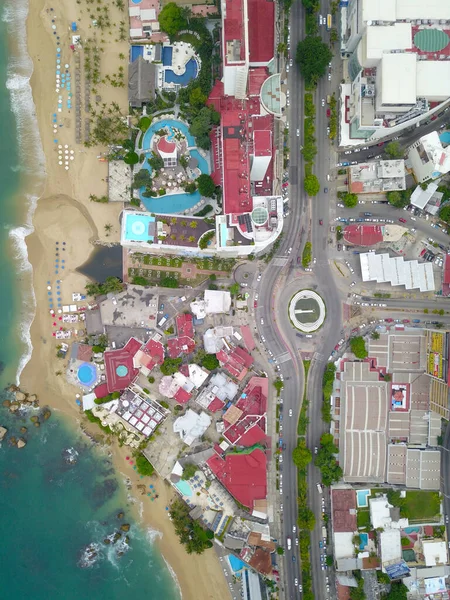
(389, 320)
(255, 304)
(328, 112)
(402, 220)
(406, 321)
(320, 222)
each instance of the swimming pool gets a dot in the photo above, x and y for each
(189, 74)
(136, 1)
(136, 51)
(445, 137)
(364, 540)
(167, 123)
(138, 227)
(362, 498)
(412, 529)
(236, 563)
(166, 55)
(171, 204)
(87, 374)
(184, 487)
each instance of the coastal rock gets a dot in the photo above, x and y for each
(120, 553)
(89, 556)
(107, 541)
(3, 432)
(32, 398)
(120, 515)
(127, 540)
(20, 396)
(34, 419)
(46, 413)
(6, 403)
(116, 537)
(14, 406)
(70, 455)
(23, 429)
(12, 388)
(125, 527)
(37, 424)
(21, 443)
(13, 441)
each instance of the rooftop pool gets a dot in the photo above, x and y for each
(138, 227)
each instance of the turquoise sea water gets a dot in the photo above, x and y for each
(50, 510)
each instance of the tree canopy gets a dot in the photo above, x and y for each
(301, 455)
(326, 460)
(358, 347)
(312, 57)
(311, 185)
(143, 466)
(350, 200)
(394, 150)
(202, 124)
(142, 178)
(206, 185)
(399, 199)
(170, 366)
(399, 591)
(444, 213)
(189, 470)
(210, 362)
(190, 533)
(111, 284)
(172, 19)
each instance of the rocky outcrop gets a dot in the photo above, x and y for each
(20, 396)
(120, 515)
(13, 441)
(6, 403)
(14, 406)
(37, 424)
(116, 537)
(125, 527)
(34, 419)
(3, 432)
(107, 541)
(23, 430)
(46, 413)
(21, 443)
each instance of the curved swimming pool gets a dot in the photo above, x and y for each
(87, 374)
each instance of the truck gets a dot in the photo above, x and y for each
(163, 320)
(329, 21)
(324, 533)
(319, 488)
(289, 543)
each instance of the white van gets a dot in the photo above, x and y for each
(319, 488)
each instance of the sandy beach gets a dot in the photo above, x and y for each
(65, 214)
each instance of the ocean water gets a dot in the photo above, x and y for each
(50, 509)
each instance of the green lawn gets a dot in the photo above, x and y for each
(421, 505)
(363, 517)
(154, 276)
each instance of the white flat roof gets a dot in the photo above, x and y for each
(433, 79)
(435, 553)
(136, 33)
(389, 37)
(398, 78)
(148, 14)
(421, 197)
(396, 271)
(418, 9)
(391, 547)
(378, 10)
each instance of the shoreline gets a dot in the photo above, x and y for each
(63, 213)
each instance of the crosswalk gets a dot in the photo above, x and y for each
(282, 358)
(279, 261)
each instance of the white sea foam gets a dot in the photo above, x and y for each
(20, 69)
(152, 534)
(174, 577)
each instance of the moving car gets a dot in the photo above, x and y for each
(320, 222)
(298, 132)
(402, 220)
(325, 190)
(323, 101)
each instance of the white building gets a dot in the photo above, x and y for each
(191, 426)
(396, 271)
(428, 158)
(377, 176)
(390, 546)
(380, 514)
(420, 197)
(393, 79)
(214, 303)
(435, 552)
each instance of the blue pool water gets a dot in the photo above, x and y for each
(136, 1)
(137, 227)
(445, 137)
(364, 537)
(223, 234)
(87, 374)
(235, 563)
(412, 529)
(184, 488)
(136, 51)
(166, 55)
(362, 498)
(174, 203)
(189, 74)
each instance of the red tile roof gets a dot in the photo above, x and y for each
(180, 345)
(363, 235)
(165, 146)
(119, 367)
(243, 475)
(216, 405)
(342, 501)
(447, 269)
(256, 77)
(185, 325)
(248, 337)
(182, 396)
(101, 390)
(236, 361)
(253, 407)
(234, 28)
(254, 435)
(261, 30)
(262, 143)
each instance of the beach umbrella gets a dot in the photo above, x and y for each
(60, 146)
(60, 162)
(66, 145)
(72, 157)
(66, 168)
(72, 151)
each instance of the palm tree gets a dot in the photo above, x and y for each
(108, 228)
(192, 238)
(193, 224)
(122, 56)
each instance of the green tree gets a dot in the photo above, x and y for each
(143, 466)
(301, 455)
(387, 377)
(210, 362)
(375, 335)
(358, 347)
(350, 200)
(311, 185)
(399, 199)
(142, 179)
(311, 5)
(444, 213)
(399, 591)
(234, 289)
(191, 534)
(131, 158)
(172, 19)
(278, 385)
(393, 150)
(189, 470)
(312, 57)
(307, 255)
(280, 550)
(306, 518)
(170, 366)
(206, 185)
(326, 460)
(197, 97)
(202, 124)
(383, 577)
(156, 162)
(169, 282)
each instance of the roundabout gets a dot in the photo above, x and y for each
(307, 311)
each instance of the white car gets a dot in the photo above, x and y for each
(296, 581)
(281, 459)
(262, 321)
(288, 102)
(287, 93)
(291, 62)
(296, 541)
(281, 508)
(298, 132)
(328, 131)
(323, 101)
(290, 412)
(289, 251)
(287, 68)
(329, 76)
(294, 528)
(314, 260)
(259, 277)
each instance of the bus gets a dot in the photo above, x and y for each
(328, 22)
